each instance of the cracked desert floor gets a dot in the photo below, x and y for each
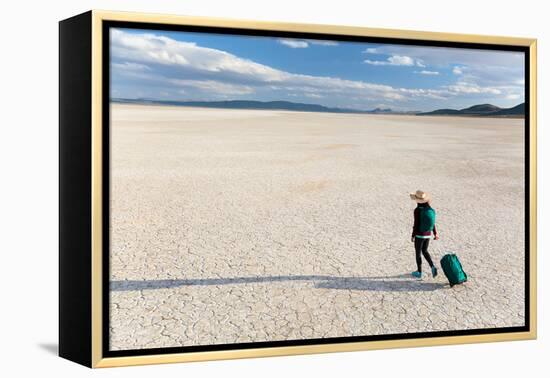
(231, 226)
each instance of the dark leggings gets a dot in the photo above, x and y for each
(421, 246)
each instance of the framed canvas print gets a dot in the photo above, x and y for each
(234, 188)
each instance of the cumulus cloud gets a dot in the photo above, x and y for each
(129, 66)
(377, 62)
(394, 60)
(399, 60)
(313, 95)
(293, 43)
(187, 57)
(426, 72)
(322, 42)
(216, 86)
(304, 43)
(469, 88)
(371, 50)
(457, 70)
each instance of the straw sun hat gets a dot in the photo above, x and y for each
(420, 197)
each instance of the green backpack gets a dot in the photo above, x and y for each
(426, 219)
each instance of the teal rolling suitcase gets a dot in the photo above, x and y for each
(453, 269)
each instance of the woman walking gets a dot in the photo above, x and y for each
(423, 229)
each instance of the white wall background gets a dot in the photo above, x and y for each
(29, 174)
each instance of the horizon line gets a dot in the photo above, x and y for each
(351, 110)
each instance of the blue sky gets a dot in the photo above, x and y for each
(187, 66)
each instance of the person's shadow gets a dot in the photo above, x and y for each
(368, 284)
(401, 282)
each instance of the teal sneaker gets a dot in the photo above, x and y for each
(417, 274)
(434, 271)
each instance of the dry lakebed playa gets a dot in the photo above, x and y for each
(236, 226)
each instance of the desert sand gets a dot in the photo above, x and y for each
(232, 226)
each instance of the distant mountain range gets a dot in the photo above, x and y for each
(271, 105)
(483, 110)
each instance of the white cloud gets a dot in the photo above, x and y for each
(472, 88)
(293, 43)
(513, 96)
(436, 94)
(300, 44)
(377, 62)
(371, 50)
(314, 95)
(426, 72)
(217, 87)
(322, 42)
(400, 60)
(395, 60)
(393, 96)
(129, 66)
(458, 70)
(150, 49)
